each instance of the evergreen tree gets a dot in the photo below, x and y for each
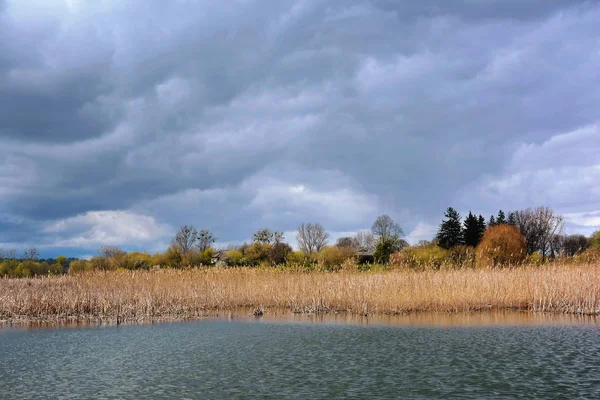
(481, 226)
(501, 218)
(471, 233)
(450, 233)
(492, 221)
(512, 218)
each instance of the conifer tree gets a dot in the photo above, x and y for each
(450, 233)
(471, 233)
(512, 219)
(481, 226)
(492, 221)
(501, 219)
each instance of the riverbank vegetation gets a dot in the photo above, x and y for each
(191, 293)
(520, 262)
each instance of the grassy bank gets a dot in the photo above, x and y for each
(180, 294)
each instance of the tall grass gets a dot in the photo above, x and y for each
(180, 294)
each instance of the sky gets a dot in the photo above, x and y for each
(120, 121)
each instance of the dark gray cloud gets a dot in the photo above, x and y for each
(122, 121)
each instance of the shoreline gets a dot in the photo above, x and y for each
(474, 318)
(175, 295)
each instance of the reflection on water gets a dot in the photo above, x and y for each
(493, 318)
(497, 318)
(427, 356)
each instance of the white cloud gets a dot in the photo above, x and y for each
(562, 172)
(422, 231)
(97, 228)
(334, 204)
(589, 219)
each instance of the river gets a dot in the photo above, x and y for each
(297, 358)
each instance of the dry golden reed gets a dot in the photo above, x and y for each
(180, 294)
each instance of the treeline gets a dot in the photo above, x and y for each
(29, 264)
(541, 229)
(532, 236)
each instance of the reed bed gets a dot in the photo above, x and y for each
(183, 294)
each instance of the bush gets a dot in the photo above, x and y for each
(170, 258)
(534, 259)
(257, 253)
(206, 256)
(137, 260)
(9, 267)
(22, 271)
(501, 245)
(103, 264)
(56, 269)
(78, 266)
(590, 256)
(384, 249)
(461, 256)
(296, 257)
(331, 258)
(595, 241)
(233, 258)
(279, 253)
(421, 257)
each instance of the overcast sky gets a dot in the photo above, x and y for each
(122, 120)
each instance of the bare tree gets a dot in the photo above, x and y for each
(575, 244)
(384, 228)
(539, 226)
(345, 242)
(110, 252)
(185, 239)
(364, 241)
(278, 237)
(311, 238)
(263, 236)
(267, 236)
(205, 239)
(31, 254)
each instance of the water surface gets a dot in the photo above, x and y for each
(242, 359)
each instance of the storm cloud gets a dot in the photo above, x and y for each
(120, 121)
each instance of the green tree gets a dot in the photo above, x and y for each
(512, 219)
(384, 249)
(481, 225)
(501, 219)
(471, 232)
(450, 233)
(492, 221)
(63, 263)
